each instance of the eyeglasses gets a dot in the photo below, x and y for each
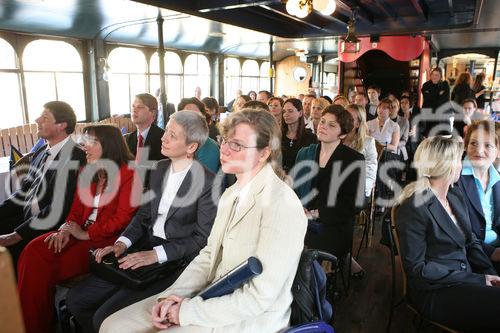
(233, 145)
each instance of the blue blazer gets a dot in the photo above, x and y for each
(476, 215)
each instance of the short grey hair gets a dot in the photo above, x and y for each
(194, 125)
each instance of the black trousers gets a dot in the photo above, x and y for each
(470, 308)
(94, 299)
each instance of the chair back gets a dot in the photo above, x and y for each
(395, 237)
(10, 309)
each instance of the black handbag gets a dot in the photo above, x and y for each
(138, 278)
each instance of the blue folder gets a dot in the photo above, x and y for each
(234, 279)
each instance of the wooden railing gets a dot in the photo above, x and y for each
(25, 137)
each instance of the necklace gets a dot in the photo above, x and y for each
(291, 143)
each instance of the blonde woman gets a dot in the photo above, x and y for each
(359, 140)
(258, 216)
(317, 107)
(450, 279)
(341, 100)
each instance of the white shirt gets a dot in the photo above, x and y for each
(384, 135)
(144, 135)
(53, 151)
(174, 182)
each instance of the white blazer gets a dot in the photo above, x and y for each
(269, 224)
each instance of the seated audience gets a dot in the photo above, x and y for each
(102, 208)
(212, 111)
(294, 133)
(46, 193)
(404, 129)
(469, 114)
(252, 94)
(275, 105)
(239, 102)
(443, 260)
(359, 140)
(258, 216)
(317, 107)
(164, 230)
(385, 132)
(256, 105)
(208, 153)
(306, 107)
(480, 183)
(147, 134)
(263, 96)
(341, 100)
(372, 107)
(339, 184)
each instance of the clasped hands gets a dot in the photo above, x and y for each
(166, 312)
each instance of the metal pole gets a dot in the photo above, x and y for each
(495, 68)
(271, 66)
(161, 56)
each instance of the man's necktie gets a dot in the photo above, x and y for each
(140, 145)
(37, 180)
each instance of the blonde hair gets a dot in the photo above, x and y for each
(323, 103)
(268, 134)
(359, 141)
(436, 157)
(343, 101)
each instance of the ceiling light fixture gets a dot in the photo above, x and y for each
(302, 8)
(351, 44)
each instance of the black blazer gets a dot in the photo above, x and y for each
(189, 219)
(153, 141)
(476, 215)
(435, 253)
(55, 194)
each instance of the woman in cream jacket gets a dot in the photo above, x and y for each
(258, 216)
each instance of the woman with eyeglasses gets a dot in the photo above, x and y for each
(295, 135)
(106, 199)
(258, 216)
(337, 189)
(480, 182)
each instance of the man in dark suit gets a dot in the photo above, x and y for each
(175, 234)
(145, 141)
(46, 193)
(147, 133)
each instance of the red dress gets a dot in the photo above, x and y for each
(40, 269)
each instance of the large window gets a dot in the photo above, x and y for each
(232, 78)
(173, 73)
(264, 76)
(53, 71)
(249, 76)
(127, 78)
(10, 87)
(196, 74)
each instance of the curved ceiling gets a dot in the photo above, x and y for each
(217, 25)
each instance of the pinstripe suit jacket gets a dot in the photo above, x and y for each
(269, 224)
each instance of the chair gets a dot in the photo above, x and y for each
(318, 324)
(394, 239)
(10, 308)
